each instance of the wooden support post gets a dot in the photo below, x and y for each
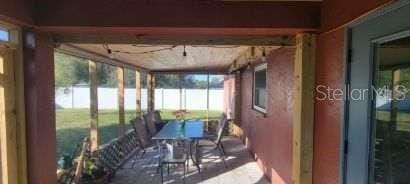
(20, 108)
(237, 98)
(394, 96)
(207, 99)
(153, 84)
(94, 137)
(8, 118)
(180, 77)
(151, 91)
(303, 109)
(121, 110)
(39, 102)
(138, 93)
(13, 144)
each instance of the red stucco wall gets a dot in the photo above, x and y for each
(270, 137)
(328, 114)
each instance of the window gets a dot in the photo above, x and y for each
(259, 88)
(4, 34)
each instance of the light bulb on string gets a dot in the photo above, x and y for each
(109, 51)
(184, 53)
(263, 55)
(110, 54)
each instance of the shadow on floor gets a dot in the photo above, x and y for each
(241, 169)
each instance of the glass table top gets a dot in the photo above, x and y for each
(191, 129)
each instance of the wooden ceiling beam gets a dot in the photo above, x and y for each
(276, 40)
(177, 13)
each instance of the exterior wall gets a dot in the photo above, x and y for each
(328, 114)
(269, 136)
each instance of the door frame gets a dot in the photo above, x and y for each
(361, 37)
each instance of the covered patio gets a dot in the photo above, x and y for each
(139, 163)
(267, 60)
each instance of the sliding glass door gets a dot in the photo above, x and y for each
(377, 128)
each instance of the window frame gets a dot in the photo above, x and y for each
(263, 66)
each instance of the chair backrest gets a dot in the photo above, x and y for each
(223, 123)
(157, 117)
(141, 130)
(150, 122)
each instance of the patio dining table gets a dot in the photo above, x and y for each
(190, 130)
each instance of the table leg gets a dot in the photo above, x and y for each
(194, 161)
(159, 156)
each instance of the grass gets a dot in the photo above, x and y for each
(72, 125)
(403, 119)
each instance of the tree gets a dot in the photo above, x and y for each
(69, 70)
(216, 82)
(167, 81)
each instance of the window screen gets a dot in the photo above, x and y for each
(259, 101)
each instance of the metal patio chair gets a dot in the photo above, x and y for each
(150, 123)
(216, 142)
(143, 135)
(175, 154)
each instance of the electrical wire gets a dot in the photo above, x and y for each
(106, 47)
(109, 50)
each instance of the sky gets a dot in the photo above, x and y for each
(204, 77)
(4, 36)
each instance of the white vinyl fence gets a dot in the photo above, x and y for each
(193, 99)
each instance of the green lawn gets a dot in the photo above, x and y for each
(72, 125)
(403, 119)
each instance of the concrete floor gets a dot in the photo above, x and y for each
(241, 169)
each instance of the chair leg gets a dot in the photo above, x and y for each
(134, 160)
(187, 165)
(223, 149)
(222, 156)
(183, 179)
(162, 174)
(143, 153)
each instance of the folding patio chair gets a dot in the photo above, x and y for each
(216, 141)
(150, 123)
(175, 154)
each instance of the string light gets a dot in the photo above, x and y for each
(263, 55)
(109, 51)
(248, 67)
(184, 53)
